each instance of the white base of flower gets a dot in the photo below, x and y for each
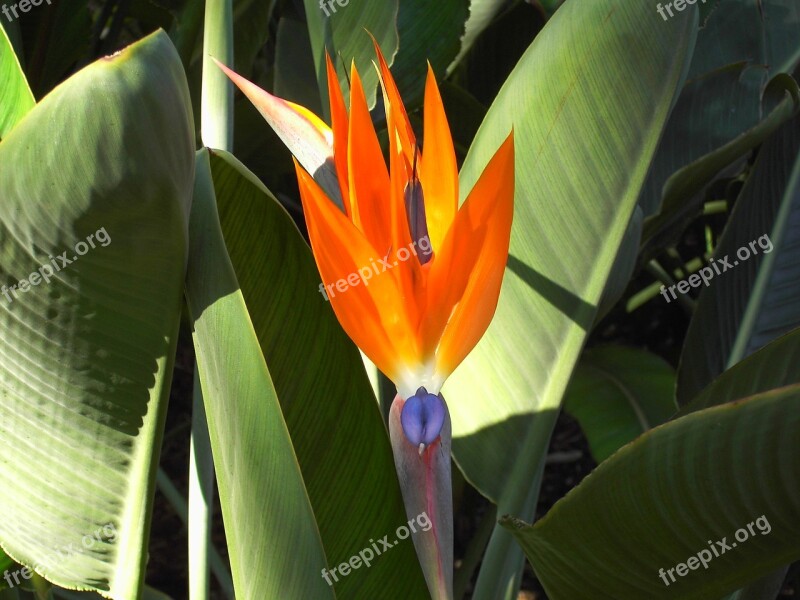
(410, 380)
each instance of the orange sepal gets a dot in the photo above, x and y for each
(466, 275)
(371, 314)
(367, 174)
(339, 125)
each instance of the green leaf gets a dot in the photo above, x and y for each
(339, 26)
(572, 209)
(481, 13)
(87, 356)
(549, 6)
(766, 588)
(761, 33)
(681, 201)
(5, 563)
(16, 98)
(770, 367)
(463, 110)
(273, 540)
(295, 79)
(251, 29)
(751, 303)
(624, 264)
(336, 427)
(742, 47)
(430, 32)
(659, 501)
(706, 9)
(618, 393)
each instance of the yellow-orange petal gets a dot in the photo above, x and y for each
(367, 174)
(466, 275)
(339, 125)
(438, 170)
(307, 136)
(367, 304)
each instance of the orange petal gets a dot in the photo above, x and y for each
(394, 104)
(339, 124)
(466, 274)
(304, 133)
(367, 304)
(410, 275)
(369, 179)
(438, 170)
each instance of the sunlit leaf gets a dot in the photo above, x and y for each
(87, 357)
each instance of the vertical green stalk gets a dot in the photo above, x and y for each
(180, 505)
(500, 574)
(216, 112)
(201, 491)
(216, 130)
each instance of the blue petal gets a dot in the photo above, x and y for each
(422, 417)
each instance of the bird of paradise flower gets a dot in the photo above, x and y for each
(418, 321)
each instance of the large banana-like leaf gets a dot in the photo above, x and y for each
(272, 535)
(617, 393)
(693, 509)
(742, 47)
(16, 98)
(761, 33)
(87, 356)
(681, 197)
(754, 300)
(773, 366)
(336, 427)
(587, 102)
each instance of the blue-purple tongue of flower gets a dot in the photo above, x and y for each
(415, 211)
(422, 418)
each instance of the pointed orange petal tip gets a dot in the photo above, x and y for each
(395, 109)
(438, 169)
(304, 133)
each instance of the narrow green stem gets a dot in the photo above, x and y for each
(179, 504)
(715, 207)
(216, 113)
(657, 271)
(201, 494)
(216, 127)
(43, 589)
